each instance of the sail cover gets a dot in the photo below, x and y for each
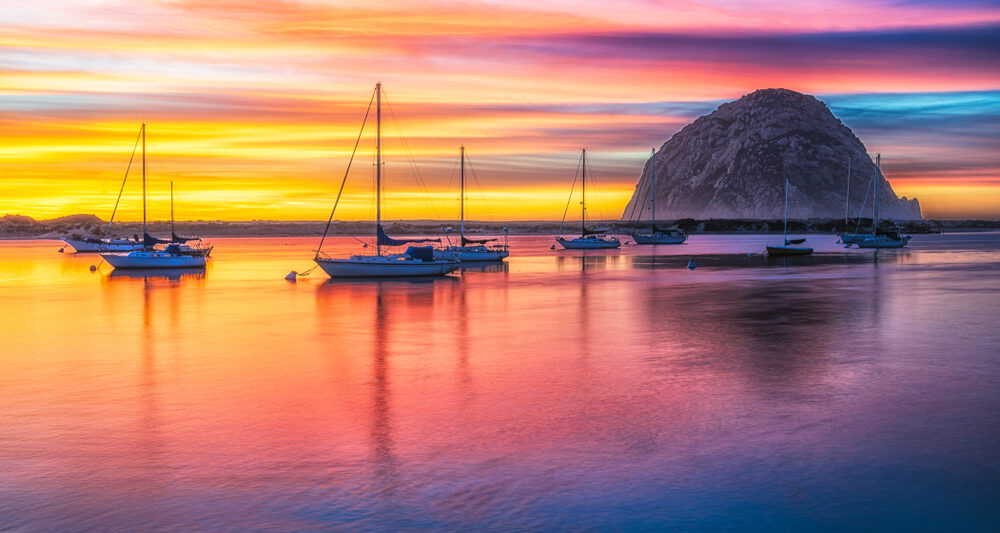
(177, 238)
(475, 241)
(385, 240)
(149, 241)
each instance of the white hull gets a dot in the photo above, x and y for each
(386, 266)
(153, 260)
(882, 242)
(471, 254)
(588, 243)
(655, 238)
(82, 246)
(849, 238)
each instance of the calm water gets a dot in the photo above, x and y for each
(560, 391)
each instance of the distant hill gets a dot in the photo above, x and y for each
(732, 163)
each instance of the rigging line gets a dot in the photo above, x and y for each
(344, 181)
(409, 155)
(641, 197)
(122, 189)
(861, 213)
(570, 199)
(597, 195)
(479, 188)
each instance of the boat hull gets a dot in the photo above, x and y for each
(588, 243)
(851, 238)
(882, 242)
(789, 250)
(136, 260)
(82, 246)
(653, 238)
(471, 254)
(385, 267)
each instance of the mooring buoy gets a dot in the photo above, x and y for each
(292, 276)
(691, 265)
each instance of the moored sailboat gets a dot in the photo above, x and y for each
(790, 246)
(657, 235)
(884, 240)
(588, 239)
(471, 250)
(150, 256)
(415, 261)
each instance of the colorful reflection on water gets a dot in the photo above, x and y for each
(560, 390)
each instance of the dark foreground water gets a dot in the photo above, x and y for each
(561, 391)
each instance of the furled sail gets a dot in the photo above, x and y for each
(466, 241)
(385, 240)
(149, 241)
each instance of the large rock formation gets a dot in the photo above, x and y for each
(732, 163)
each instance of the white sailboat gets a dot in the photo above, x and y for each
(846, 237)
(884, 240)
(107, 243)
(186, 245)
(790, 245)
(588, 240)
(150, 256)
(415, 261)
(471, 250)
(657, 235)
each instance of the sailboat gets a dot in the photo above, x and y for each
(789, 247)
(885, 240)
(657, 235)
(150, 256)
(107, 243)
(846, 237)
(199, 248)
(471, 250)
(415, 261)
(588, 240)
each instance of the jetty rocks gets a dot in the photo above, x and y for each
(732, 163)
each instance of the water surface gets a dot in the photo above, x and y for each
(562, 390)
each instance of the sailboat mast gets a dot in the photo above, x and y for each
(583, 200)
(172, 210)
(786, 211)
(653, 201)
(462, 200)
(143, 180)
(378, 166)
(878, 177)
(847, 197)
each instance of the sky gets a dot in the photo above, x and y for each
(252, 110)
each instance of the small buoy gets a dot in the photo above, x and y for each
(749, 254)
(62, 250)
(365, 245)
(553, 247)
(93, 268)
(292, 276)
(691, 265)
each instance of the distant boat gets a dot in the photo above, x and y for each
(107, 243)
(885, 240)
(471, 250)
(588, 240)
(657, 235)
(150, 256)
(111, 244)
(415, 261)
(846, 237)
(787, 248)
(198, 249)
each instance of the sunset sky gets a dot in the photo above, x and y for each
(252, 110)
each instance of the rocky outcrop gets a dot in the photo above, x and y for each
(732, 163)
